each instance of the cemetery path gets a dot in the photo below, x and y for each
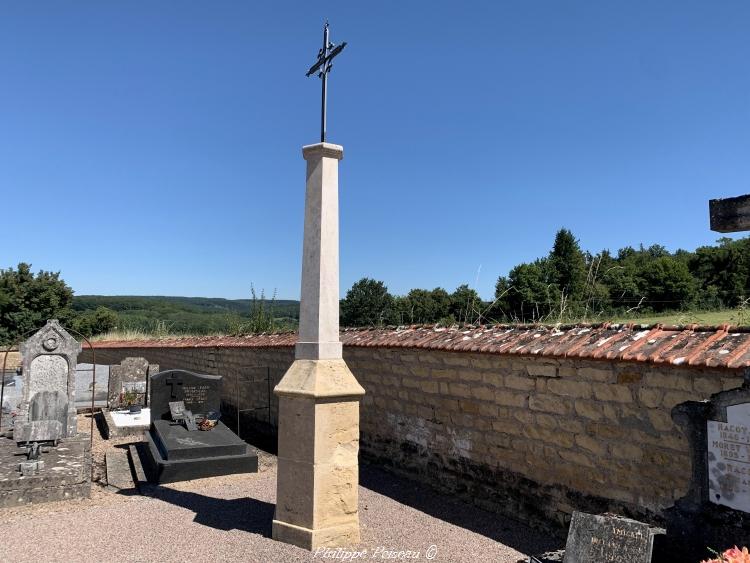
(229, 519)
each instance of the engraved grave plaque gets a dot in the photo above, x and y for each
(201, 394)
(608, 539)
(728, 445)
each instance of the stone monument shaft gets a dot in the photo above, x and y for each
(319, 302)
(318, 467)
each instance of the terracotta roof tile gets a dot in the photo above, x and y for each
(719, 347)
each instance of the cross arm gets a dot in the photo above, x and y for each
(324, 60)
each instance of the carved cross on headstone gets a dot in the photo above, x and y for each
(323, 66)
(172, 381)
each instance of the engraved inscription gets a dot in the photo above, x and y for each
(608, 539)
(617, 545)
(729, 458)
(195, 394)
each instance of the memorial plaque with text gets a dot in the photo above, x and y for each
(608, 539)
(728, 458)
(200, 393)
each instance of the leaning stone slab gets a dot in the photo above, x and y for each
(39, 431)
(608, 538)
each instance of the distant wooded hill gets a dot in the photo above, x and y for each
(197, 315)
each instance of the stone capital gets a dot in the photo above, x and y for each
(319, 379)
(322, 150)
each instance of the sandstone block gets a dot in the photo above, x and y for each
(483, 393)
(410, 382)
(650, 397)
(453, 359)
(601, 374)
(519, 382)
(612, 392)
(672, 398)
(509, 399)
(429, 386)
(589, 409)
(569, 388)
(546, 421)
(578, 458)
(629, 452)
(669, 381)
(460, 390)
(541, 370)
(550, 403)
(707, 386)
(592, 445)
(524, 416)
(469, 375)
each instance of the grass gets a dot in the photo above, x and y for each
(709, 318)
(734, 317)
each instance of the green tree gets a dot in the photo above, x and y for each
(667, 284)
(527, 294)
(465, 305)
(367, 303)
(568, 265)
(425, 307)
(722, 271)
(99, 321)
(28, 301)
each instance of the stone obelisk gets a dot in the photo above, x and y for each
(318, 467)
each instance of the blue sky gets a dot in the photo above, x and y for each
(153, 148)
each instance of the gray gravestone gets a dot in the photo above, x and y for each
(130, 376)
(49, 361)
(608, 539)
(200, 393)
(715, 512)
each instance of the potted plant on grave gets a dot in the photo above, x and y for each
(130, 400)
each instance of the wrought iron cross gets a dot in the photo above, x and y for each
(323, 66)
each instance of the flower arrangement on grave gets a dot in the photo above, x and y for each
(209, 421)
(732, 555)
(130, 399)
(206, 424)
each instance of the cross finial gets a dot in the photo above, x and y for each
(323, 66)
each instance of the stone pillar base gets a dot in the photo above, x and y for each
(317, 491)
(335, 536)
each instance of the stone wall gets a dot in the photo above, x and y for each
(531, 437)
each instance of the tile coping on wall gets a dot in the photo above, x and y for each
(722, 347)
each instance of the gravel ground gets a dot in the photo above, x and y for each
(229, 519)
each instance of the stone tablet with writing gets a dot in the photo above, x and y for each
(200, 393)
(129, 377)
(729, 458)
(607, 539)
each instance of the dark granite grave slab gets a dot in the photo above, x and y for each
(596, 538)
(66, 473)
(175, 442)
(175, 454)
(200, 393)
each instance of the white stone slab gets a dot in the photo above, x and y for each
(125, 419)
(729, 459)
